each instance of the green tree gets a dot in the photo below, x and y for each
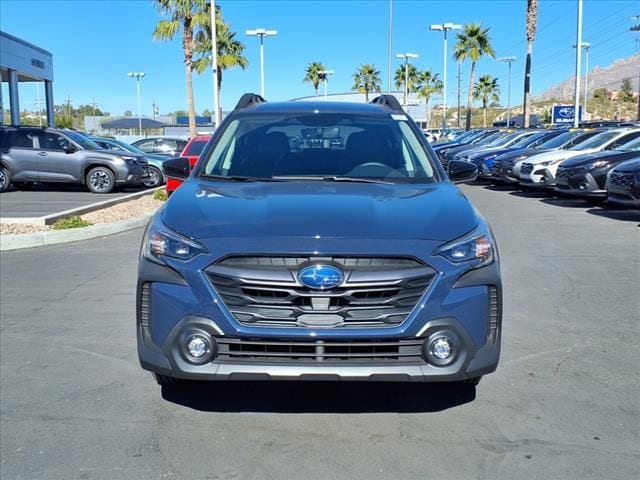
(532, 21)
(128, 113)
(62, 121)
(473, 44)
(429, 83)
(486, 90)
(627, 90)
(600, 93)
(230, 50)
(190, 16)
(413, 76)
(313, 75)
(366, 79)
(206, 113)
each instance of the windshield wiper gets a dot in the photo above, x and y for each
(329, 178)
(235, 178)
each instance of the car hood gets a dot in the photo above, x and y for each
(630, 166)
(556, 156)
(202, 210)
(605, 155)
(519, 154)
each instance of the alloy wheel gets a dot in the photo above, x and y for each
(100, 181)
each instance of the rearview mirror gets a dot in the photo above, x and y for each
(461, 171)
(176, 167)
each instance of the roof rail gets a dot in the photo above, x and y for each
(388, 101)
(249, 99)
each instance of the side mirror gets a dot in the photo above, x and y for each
(177, 168)
(69, 148)
(461, 171)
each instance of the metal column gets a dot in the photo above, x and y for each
(1, 102)
(48, 97)
(14, 104)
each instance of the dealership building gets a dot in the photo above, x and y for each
(22, 62)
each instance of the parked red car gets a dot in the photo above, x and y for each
(192, 152)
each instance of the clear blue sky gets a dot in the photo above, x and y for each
(95, 44)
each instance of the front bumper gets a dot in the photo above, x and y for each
(458, 304)
(582, 185)
(132, 175)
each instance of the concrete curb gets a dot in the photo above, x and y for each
(53, 217)
(53, 237)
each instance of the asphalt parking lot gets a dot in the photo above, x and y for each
(44, 200)
(564, 403)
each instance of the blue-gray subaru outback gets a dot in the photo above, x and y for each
(318, 241)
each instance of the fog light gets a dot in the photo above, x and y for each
(441, 348)
(198, 348)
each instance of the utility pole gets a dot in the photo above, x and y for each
(576, 103)
(406, 57)
(459, 92)
(38, 102)
(325, 76)
(93, 104)
(155, 109)
(69, 106)
(138, 76)
(636, 28)
(261, 32)
(444, 27)
(509, 60)
(389, 50)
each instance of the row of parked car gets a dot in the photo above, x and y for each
(596, 164)
(51, 155)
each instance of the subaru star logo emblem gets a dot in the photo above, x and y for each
(320, 277)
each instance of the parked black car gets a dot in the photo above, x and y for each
(586, 175)
(623, 186)
(51, 155)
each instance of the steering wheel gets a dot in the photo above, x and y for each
(374, 169)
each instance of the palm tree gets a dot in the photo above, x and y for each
(313, 75)
(191, 15)
(429, 84)
(230, 50)
(473, 43)
(366, 79)
(487, 89)
(532, 20)
(412, 74)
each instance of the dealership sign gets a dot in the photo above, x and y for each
(565, 114)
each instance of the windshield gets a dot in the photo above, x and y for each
(118, 145)
(597, 141)
(560, 140)
(505, 139)
(526, 139)
(81, 140)
(262, 147)
(487, 139)
(631, 146)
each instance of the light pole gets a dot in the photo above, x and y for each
(586, 46)
(576, 103)
(325, 76)
(261, 32)
(444, 27)
(214, 66)
(138, 76)
(389, 46)
(406, 57)
(636, 28)
(509, 60)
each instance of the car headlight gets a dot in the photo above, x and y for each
(128, 159)
(544, 164)
(599, 163)
(477, 246)
(160, 241)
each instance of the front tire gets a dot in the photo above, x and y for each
(154, 179)
(5, 179)
(100, 180)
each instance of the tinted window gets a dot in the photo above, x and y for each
(597, 141)
(165, 146)
(81, 140)
(52, 141)
(146, 146)
(196, 147)
(630, 146)
(23, 139)
(625, 139)
(320, 145)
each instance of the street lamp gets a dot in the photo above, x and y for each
(576, 102)
(325, 76)
(406, 57)
(586, 46)
(509, 60)
(138, 76)
(444, 27)
(261, 32)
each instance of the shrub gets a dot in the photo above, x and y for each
(160, 195)
(71, 222)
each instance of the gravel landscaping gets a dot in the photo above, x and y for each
(123, 211)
